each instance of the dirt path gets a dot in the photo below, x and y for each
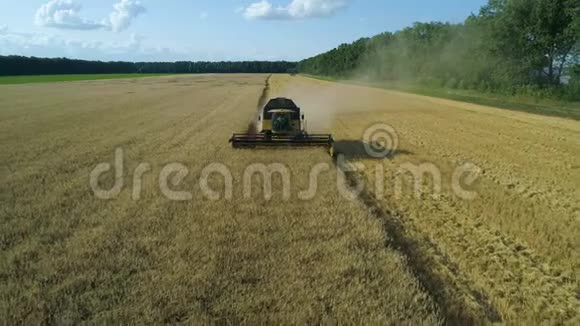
(512, 252)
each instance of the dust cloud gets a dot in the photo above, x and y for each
(320, 106)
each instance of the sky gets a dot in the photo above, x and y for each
(207, 30)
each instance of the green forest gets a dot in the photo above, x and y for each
(529, 47)
(23, 66)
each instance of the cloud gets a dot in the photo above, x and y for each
(48, 45)
(133, 48)
(125, 12)
(65, 14)
(297, 9)
(262, 9)
(14, 42)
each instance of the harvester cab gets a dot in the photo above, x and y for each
(281, 123)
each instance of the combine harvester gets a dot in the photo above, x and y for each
(281, 124)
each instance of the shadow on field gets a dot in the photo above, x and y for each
(421, 255)
(357, 149)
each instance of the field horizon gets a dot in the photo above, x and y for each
(34, 79)
(570, 110)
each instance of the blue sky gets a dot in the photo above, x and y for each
(169, 30)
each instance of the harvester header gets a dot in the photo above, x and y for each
(281, 123)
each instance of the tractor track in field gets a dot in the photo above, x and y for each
(470, 307)
(252, 128)
(265, 93)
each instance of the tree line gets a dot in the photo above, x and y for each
(510, 46)
(19, 65)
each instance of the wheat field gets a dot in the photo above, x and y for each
(511, 254)
(67, 256)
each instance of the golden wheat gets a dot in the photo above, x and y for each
(69, 257)
(514, 248)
